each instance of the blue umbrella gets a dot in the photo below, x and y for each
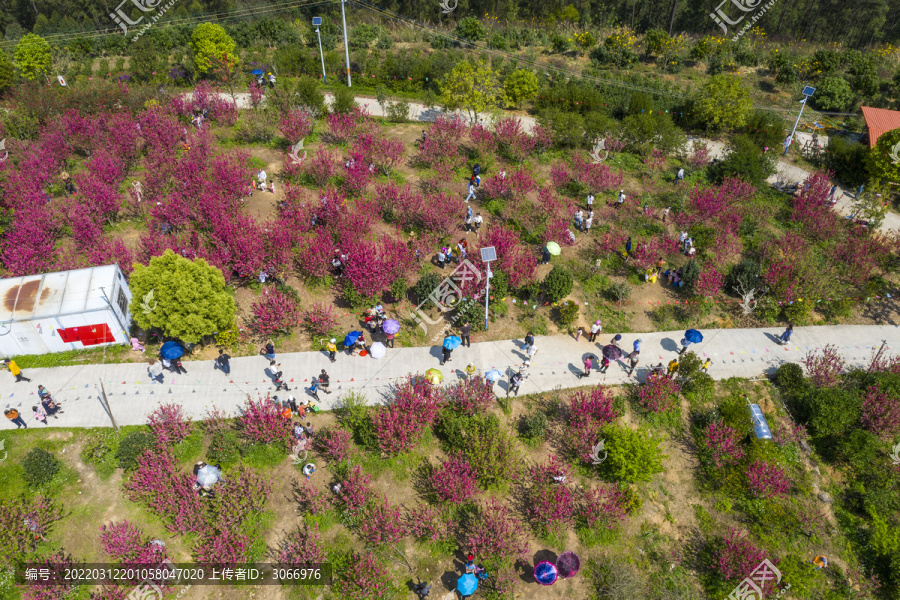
(171, 350)
(493, 375)
(256, 72)
(351, 338)
(451, 342)
(546, 573)
(467, 584)
(693, 336)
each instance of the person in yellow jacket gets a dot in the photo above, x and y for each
(332, 349)
(15, 370)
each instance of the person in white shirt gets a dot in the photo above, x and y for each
(588, 221)
(621, 198)
(478, 221)
(261, 177)
(471, 195)
(579, 219)
(590, 201)
(596, 328)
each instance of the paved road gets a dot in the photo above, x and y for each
(132, 396)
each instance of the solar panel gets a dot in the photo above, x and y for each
(809, 91)
(317, 21)
(488, 254)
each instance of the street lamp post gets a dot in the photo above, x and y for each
(807, 92)
(346, 44)
(316, 22)
(488, 255)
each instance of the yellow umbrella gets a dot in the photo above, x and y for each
(434, 375)
(553, 248)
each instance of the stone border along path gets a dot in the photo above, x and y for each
(132, 396)
(785, 171)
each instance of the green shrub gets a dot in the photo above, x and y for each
(354, 415)
(765, 128)
(798, 313)
(832, 411)
(699, 388)
(356, 300)
(40, 467)
(690, 272)
(800, 573)
(499, 285)
(633, 456)
(566, 314)
(533, 426)
(132, 446)
(425, 286)
(655, 41)
(847, 159)
(344, 101)
(557, 284)
(833, 93)
(498, 41)
(224, 448)
(470, 29)
(469, 311)
(860, 449)
(790, 378)
(484, 442)
(745, 160)
(618, 292)
(744, 275)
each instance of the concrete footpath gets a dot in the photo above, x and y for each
(132, 396)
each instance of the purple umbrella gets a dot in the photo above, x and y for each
(545, 573)
(568, 564)
(612, 352)
(391, 326)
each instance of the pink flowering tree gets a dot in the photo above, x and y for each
(767, 480)
(304, 547)
(550, 502)
(735, 557)
(588, 413)
(881, 413)
(296, 125)
(169, 424)
(721, 443)
(356, 492)
(125, 542)
(603, 507)
(495, 532)
(429, 522)
(39, 511)
(709, 283)
(812, 209)
(364, 577)
(658, 395)
(311, 499)
(261, 422)
(455, 480)
(168, 493)
(699, 156)
(824, 368)
(274, 311)
(413, 407)
(382, 523)
(471, 396)
(334, 443)
(513, 257)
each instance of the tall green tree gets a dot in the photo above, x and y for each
(884, 159)
(32, 56)
(474, 88)
(210, 42)
(723, 102)
(186, 299)
(519, 86)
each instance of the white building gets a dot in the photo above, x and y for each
(69, 310)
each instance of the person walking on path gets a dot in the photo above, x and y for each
(684, 345)
(545, 256)
(679, 177)
(314, 389)
(515, 380)
(628, 248)
(589, 203)
(705, 366)
(324, 381)
(268, 350)
(596, 328)
(529, 341)
(785, 337)
(178, 367)
(278, 378)
(464, 334)
(831, 195)
(43, 392)
(478, 221)
(666, 213)
(15, 370)
(579, 220)
(673, 367)
(156, 371)
(441, 258)
(588, 365)
(588, 221)
(471, 195)
(637, 345)
(14, 416)
(470, 216)
(331, 347)
(222, 362)
(615, 340)
(523, 368)
(633, 359)
(445, 354)
(604, 365)
(40, 414)
(621, 199)
(532, 350)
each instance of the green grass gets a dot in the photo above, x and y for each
(263, 456)
(105, 355)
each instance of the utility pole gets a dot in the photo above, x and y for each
(105, 404)
(316, 22)
(877, 356)
(807, 92)
(346, 43)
